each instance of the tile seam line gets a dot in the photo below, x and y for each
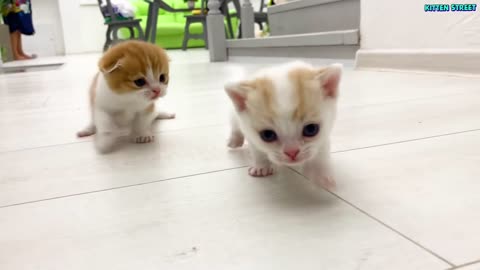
(383, 224)
(464, 265)
(218, 125)
(215, 171)
(119, 187)
(391, 228)
(90, 140)
(407, 141)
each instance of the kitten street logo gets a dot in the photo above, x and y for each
(450, 8)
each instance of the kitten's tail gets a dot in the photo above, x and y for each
(87, 131)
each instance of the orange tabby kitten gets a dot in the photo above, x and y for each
(286, 113)
(133, 75)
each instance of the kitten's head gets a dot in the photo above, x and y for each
(136, 68)
(288, 111)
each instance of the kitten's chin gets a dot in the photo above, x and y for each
(289, 163)
(285, 161)
(156, 96)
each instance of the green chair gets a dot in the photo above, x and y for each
(171, 26)
(115, 24)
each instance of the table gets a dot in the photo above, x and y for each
(155, 5)
(152, 17)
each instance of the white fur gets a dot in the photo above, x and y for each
(314, 155)
(115, 115)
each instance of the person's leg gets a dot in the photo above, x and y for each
(15, 39)
(20, 49)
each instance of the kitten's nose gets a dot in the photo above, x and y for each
(292, 153)
(156, 91)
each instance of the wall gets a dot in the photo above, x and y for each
(405, 25)
(400, 35)
(83, 28)
(48, 39)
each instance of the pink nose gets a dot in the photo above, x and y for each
(292, 153)
(156, 91)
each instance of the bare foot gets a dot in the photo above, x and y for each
(26, 56)
(20, 57)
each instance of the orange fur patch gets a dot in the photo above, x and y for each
(303, 80)
(261, 99)
(130, 60)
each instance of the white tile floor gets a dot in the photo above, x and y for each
(406, 148)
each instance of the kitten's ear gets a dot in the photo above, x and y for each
(109, 64)
(330, 79)
(238, 94)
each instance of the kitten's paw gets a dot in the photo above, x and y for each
(260, 171)
(235, 141)
(88, 131)
(85, 133)
(104, 145)
(326, 182)
(144, 139)
(165, 115)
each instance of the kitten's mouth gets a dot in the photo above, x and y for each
(290, 162)
(294, 162)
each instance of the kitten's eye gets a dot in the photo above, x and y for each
(163, 78)
(140, 82)
(311, 130)
(268, 135)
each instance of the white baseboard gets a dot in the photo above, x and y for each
(444, 61)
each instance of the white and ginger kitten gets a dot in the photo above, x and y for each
(286, 114)
(133, 75)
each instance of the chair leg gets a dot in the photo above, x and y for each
(240, 30)
(141, 35)
(108, 39)
(260, 25)
(205, 34)
(131, 32)
(115, 30)
(186, 36)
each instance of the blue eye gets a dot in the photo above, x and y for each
(310, 130)
(140, 82)
(268, 135)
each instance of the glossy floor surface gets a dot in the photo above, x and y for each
(406, 148)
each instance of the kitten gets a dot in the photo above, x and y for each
(133, 75)
(286, 113)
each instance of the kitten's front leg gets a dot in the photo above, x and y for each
(142, 127)
(236, 136)
(261, 164)
(319, 170)
(107, 132)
